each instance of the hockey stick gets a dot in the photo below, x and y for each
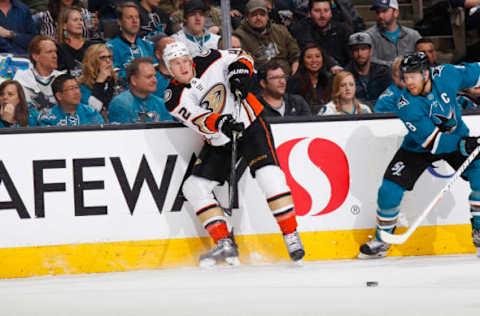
(232, 185)
(400, 239)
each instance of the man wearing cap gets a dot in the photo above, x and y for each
(319, 28)
(266, 41)
(390, 39)
(371, 78)
(194, 34)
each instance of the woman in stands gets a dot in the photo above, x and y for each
(311, 80)
(48, 19)
(98, 78)
(71, 43)
(14, 110)
(343, 97)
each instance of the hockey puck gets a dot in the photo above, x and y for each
(372, 283)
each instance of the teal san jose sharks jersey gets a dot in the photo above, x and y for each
(434, 121)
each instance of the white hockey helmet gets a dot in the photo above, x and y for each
(174, 50)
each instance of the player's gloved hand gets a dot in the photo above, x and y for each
(467, 145)
(227, 125)
(239, 79)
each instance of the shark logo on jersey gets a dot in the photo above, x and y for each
(402, 102)
(150, 116)
(437, 71)
(215, 98)
(446, 123)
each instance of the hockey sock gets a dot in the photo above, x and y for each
(386, 220)
(475, 209)
(475, 216)
(213, 219)
(282, 209)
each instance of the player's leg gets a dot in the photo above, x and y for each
(210, 170)
(472, 174)
(401, 174)
(258, 149)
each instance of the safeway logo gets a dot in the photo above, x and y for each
(317, 172)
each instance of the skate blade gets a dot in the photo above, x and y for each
(379, 255)
(298, 263)
(207, 263)
(233, 261)
(478, 252)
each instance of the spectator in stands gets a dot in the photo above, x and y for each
(426, 45)
(16, 27)
(14, 110)
(390, 39)
(469, 99)
(49, 19)
(69, 111)
(36, 6)
(153, 20)
(266, 41)
(236, 43)
(71, 44)
(37, 80)
(371, 78)
(213, 17)
(343, 97)
(98, 78)
(138, 104)
(388, 100)
(311, 79)
(276, 102)
(344, 12)
(194, 34)
(106, 9)
(162, 74)
(128, 45)
(319, 28)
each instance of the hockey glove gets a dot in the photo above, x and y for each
(468, 144)
(239, 79)
(227, 125)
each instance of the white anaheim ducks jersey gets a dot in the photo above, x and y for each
(199, 103)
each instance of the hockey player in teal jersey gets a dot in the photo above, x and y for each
(436, 131)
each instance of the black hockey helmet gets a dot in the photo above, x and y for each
(416, 62)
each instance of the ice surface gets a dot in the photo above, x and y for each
(444, 285)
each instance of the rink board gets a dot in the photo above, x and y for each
(82, 201)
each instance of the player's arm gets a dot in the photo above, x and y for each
(426, 134)
(182, 104)
(240, 70)
(467, 75)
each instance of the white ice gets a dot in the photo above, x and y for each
(442, 285)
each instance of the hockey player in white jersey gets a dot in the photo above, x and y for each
(202, 96)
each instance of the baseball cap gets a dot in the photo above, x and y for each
(385, 4)
(253, 5)
(193, 5)
(360, 38)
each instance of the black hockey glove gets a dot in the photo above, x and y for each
(227, 125)
(239, 79)
(467, 145)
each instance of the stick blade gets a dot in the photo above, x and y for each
(393, 239)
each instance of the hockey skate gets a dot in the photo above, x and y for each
(226, 250)
(373, 249)
(476, 240)
(294, 246)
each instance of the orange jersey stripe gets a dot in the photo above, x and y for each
(256, 106)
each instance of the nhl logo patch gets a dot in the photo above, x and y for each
(167, 95)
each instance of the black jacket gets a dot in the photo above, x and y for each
(295, 105)
(333, 41)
